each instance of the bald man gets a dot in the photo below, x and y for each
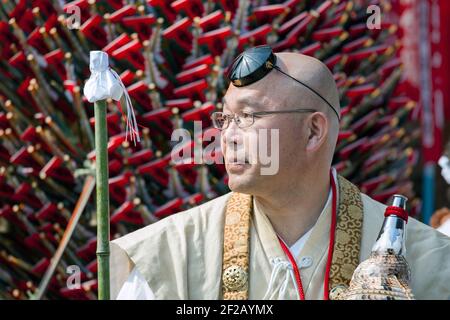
(272, 237)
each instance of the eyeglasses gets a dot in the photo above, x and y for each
(222, 120)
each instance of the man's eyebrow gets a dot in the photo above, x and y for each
(246, 102)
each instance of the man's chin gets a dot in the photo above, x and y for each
(239, 184)
(243, 178)
(239, 189)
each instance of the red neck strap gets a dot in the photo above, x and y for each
(330, 249)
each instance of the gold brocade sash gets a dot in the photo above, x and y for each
(237, 241)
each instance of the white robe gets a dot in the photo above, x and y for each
(180, 257)
(137, 288)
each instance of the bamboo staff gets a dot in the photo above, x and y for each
(103, 84)
(101, 172)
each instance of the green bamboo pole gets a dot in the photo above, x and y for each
(101, 169)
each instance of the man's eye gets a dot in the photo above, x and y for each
(246, 115)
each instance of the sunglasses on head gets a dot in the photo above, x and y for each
(254, 64)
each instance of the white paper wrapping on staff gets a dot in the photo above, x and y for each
(105, 83)
(102, 83)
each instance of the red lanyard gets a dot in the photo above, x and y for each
(330, 250)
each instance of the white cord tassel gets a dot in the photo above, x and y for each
(105, 83)
(280, 265)
(132, 127)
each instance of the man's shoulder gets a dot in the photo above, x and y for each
(199, 217)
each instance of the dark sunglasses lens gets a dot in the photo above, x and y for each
(251, 65)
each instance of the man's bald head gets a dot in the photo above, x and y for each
(315, 74)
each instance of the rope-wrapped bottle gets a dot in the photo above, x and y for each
(385, 275)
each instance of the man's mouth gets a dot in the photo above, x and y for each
(236, 161)
(235, 166)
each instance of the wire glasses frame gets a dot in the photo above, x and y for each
(222, 120)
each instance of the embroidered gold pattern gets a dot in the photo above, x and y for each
(236, 247)
(236, 241)
(348, 234)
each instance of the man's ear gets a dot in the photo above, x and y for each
(317, 130)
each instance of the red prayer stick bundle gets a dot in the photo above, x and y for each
(131, 52)
(216, 39)
(192, 8)
(211, 21)
(93, 30)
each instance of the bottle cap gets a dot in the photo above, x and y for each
(399, 201)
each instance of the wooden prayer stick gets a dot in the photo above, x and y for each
(82, 201)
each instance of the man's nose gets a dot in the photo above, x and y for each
(232, 134)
